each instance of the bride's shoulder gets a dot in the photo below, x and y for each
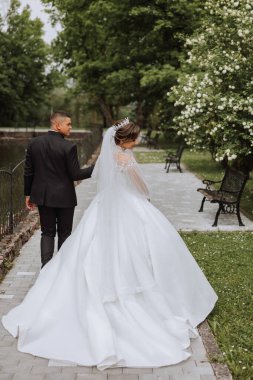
(124, 157)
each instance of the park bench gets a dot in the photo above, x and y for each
(174, 159)
(228, 196)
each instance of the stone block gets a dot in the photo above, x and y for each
(19, 376)
(154, 377)
(60, 376)
(44, 370)
(202, 363)
(95, 376)
(188, 364)
(199, 370)
(77, 370)
(13, 369)
(113, 371)
(169, 370)
(123, 377)
(10, 362)
(186, 377)
(6, 376)
(139, 371)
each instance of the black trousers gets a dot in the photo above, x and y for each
(54, 219)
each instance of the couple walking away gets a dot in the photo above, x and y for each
(123, 290)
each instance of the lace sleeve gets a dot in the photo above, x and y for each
(127, 164)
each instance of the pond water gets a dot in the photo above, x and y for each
(11, 154)
(13, 151)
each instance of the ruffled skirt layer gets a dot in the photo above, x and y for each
(122, 291)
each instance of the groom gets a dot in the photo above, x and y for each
(51, 167)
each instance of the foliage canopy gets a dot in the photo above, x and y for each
(122, 52)
(214, 95)
(23, 64)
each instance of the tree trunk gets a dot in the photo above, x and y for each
(105, 110)
(139, 114)
(116, 112)
(77, 112)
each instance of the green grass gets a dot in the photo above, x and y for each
(152, 157)
(226, 258)
(202, 164)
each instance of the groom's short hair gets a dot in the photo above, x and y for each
(56, 114)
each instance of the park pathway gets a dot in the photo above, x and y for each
(175, 195)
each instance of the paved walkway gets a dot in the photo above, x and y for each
(175, 194)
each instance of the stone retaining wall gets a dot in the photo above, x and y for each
(24, 136)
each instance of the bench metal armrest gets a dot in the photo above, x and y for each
(209, 182)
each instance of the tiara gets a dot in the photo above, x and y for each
(121, 124)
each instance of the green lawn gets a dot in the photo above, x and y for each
(152, 156)
(227, 260)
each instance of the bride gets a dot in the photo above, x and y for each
(123, 291)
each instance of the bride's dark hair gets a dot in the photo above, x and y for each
(128, 132)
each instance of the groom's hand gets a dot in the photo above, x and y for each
(29, 205)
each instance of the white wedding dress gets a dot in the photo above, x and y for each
(123, 290)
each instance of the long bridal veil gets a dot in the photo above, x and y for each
(105, 165)
(113, 159)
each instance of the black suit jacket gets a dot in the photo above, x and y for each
(51, 166)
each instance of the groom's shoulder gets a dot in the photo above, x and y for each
(59, 144)
(67, 145)
(47, 137)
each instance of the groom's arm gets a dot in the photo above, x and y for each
(28, 178)
(74, 170)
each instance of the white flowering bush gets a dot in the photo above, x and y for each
(214, 95)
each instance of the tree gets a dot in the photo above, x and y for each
(24, 61)
(123, 52)
(166, 31)
(214, 95)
